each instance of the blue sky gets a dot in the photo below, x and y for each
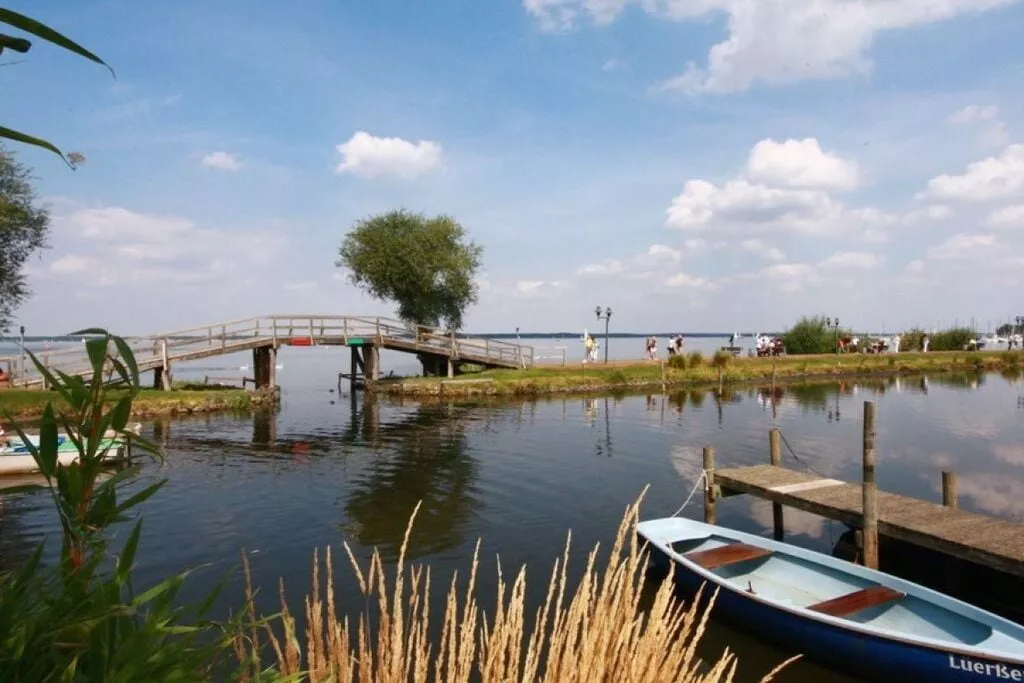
(694, 164)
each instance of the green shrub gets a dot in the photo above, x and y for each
(721, 359)
(911, 340)
(695, 360)
(617, 377)
(1012, 359)
(811, 335)
(954, 339)
(81, 618)
(677, 362)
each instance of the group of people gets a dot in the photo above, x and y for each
(590, 349)
(674, 346)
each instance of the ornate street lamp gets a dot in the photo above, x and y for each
(829, 322)
(606, 316)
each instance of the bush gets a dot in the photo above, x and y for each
(721, 358)
(81, 618)
(617, 377)
(811, 335)
(677, 362)
(696, 359)
(954, 339)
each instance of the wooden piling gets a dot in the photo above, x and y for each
(949, 497)
(775, 455)
(869, 490)
(709, 490)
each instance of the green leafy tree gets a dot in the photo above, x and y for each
(425, 265)
(23, 229)
(22, 45)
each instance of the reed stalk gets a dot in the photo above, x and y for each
(594, 634)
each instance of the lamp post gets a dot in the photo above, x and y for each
(1020, 323)
(606, 316)
(829, 322)
(21, 370)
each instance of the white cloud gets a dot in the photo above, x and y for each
(853, 259)
(784, 189)
(772, 41)
(914, 267)
(222, 161)
(372, 157)
(605, 267)
(933, 212)
(759, 247)
(800, 164)
(1007, 217)
(963, 246)
(993, 178)
(538, 288)
(684, 280)
(73, 263)
(120, 246)
(790, 277)
(974, 113)
(610, 65)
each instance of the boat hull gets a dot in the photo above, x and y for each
(24, 463)
(850, 651)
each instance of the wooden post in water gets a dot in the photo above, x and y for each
(869, 490)
(775, 454)
(949, 498)
(709, 491)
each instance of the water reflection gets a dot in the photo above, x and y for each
(422, 457)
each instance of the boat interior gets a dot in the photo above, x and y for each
(797, 583)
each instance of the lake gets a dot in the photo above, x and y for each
(324, 468)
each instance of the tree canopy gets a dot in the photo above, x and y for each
(23, 230)
(425, 265)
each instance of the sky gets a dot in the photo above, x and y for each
(695, 165)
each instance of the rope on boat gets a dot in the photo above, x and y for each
(703, 479)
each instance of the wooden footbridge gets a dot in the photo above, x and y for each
(264, 335)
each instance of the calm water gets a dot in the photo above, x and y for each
(324, 469)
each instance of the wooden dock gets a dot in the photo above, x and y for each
(943, 528)
(976, 538)
(264, 335)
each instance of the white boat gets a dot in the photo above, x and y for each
(17, 459)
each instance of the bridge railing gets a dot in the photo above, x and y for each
(159, 350)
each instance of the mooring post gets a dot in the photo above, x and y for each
(775, 455)
(709, 483)
(870, 492)
(949, 498)
(664, 382)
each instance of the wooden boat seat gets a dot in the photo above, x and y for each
(725, 555)
(848, 604)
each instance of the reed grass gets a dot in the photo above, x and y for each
(26, 404)
(595, 633)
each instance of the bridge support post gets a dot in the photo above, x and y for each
(371, 363)
(264, 362)
(451, 368)
(158, 378)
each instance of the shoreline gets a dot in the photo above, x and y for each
(627, 376)
(28, 404)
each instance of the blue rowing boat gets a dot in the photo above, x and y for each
(835, 612)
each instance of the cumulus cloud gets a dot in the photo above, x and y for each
(790, 277)
(973, 113)
(657, 260)
(853, 259)
(963, 246)
(371, 157)
(115, 245)
(771, 42)
(766, 252)
(996, 177)
(222, 161)
(686, 280)
(800, 164)
(914, 267)
(784, 188)
(1008, 217)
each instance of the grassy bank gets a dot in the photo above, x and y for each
(698, 371)
(26, 404)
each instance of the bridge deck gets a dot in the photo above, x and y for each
(164, 349)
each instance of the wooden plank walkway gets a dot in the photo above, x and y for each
(987, 541)
(161, 350)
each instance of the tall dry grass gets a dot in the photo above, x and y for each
(597, 633)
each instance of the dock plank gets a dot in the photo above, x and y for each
(977, 538)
